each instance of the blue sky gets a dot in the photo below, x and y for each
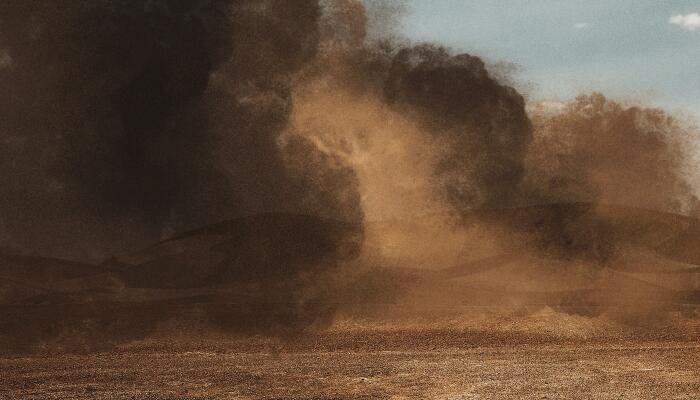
(645, 50)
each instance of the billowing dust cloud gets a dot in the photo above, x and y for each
(130, 122)
(434, 137)
(597, 150)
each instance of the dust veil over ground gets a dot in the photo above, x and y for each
(456, 175)
(293, 176)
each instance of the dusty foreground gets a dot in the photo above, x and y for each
(370, 364)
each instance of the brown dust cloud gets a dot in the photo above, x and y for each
(286, 166)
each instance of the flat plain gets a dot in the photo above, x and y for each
(364, 362)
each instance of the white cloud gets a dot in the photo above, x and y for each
(690, 22)
(581, 25)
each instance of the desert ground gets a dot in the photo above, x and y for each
(576, 357)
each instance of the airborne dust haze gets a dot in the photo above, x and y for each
(125, 123)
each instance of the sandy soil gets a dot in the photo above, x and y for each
(371, 364)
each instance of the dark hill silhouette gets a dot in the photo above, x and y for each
(262, 248)
(269, 273)
(595, 232)
(249, 274)
(42, 269)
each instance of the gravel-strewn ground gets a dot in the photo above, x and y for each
(398, 364)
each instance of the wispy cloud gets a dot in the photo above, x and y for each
(581, 25)
(690, 22)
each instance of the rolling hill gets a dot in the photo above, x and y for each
(279, 272)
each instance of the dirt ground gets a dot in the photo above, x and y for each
(368, 364)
